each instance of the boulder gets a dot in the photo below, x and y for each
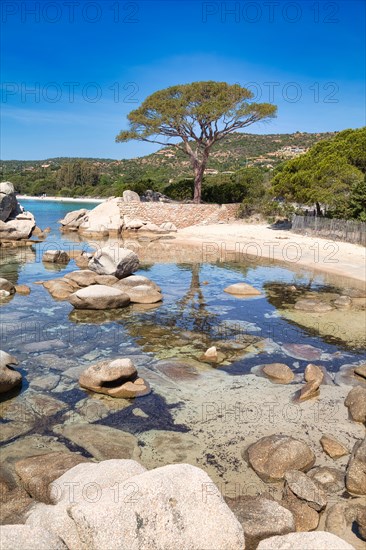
(7, 286)
(306, 489)
(104, 219)
(107, 375)
(152, 227)
(136, 388)
(175, 506)
(22, 289)
(130, 196)
(29, 538)
(8, 201)
(272, 456)
(84, 277)
(279, 373)
(242, 289)
(342, 518)
(136, 280)
(168, 226)
(143, 294)
(332, 447)
(60, 289)
(108, 280)
(343, 302)
(56, 257)
(99, 297)
(314, 377)
(74, 219)
(133, 224)
(18, 228)
(330, 479)
(9, 378)
(356, 469)
(356, 403)
(315, 306)
(37, 472)
(120, 262)
(261, 518)
(316, 540)
(306, 518)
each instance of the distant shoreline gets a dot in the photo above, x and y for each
(59, 199)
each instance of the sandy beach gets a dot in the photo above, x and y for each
(59, 199)
(231, 242)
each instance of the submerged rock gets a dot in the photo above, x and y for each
(315, 306)
(242, 289)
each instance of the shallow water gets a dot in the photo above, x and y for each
(49, 338)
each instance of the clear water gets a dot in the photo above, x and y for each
(49, 337)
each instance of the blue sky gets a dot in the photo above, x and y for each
(90, 63)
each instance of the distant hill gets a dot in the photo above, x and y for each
(166, 165)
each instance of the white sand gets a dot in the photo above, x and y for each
(59, 199)
(232, 242)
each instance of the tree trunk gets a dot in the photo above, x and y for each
(318, 209)
(198, 177)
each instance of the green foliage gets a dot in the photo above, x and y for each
(326, 173)
(197, 115)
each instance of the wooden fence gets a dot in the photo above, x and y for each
(350, 231)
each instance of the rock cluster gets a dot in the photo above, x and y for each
(106, 219)
(118, 378)
(109, 282)
(117, 504)
(15, 223)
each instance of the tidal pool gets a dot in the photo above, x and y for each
(182, 420)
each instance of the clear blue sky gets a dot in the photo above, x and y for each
(88, 62)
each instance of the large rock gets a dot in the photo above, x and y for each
(143, 294)
(37, 472)
(8, 201)
(56, 257)
(99, 297)
(18, 228)
(136, 280)
(242, 289)
(60, 289)
(130, 196)
(356, 403)
(7, 286)
(272, 456)
(306, 518)
(175, 506)
(314, 377)
(342, 518)
(120, 262)
(83, 277)
(9, 378)
(279, 373)
(330, 479)
(316, 540)
(74, 219)
(25, 537)
(356, 469)
(103, 219)
(108, 375)
(332, 447)
(261, 518)
(306, 489)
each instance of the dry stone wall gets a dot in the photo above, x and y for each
(182, 215)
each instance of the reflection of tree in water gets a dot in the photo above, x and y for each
(12, 261)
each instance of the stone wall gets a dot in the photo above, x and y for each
(182, 215)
